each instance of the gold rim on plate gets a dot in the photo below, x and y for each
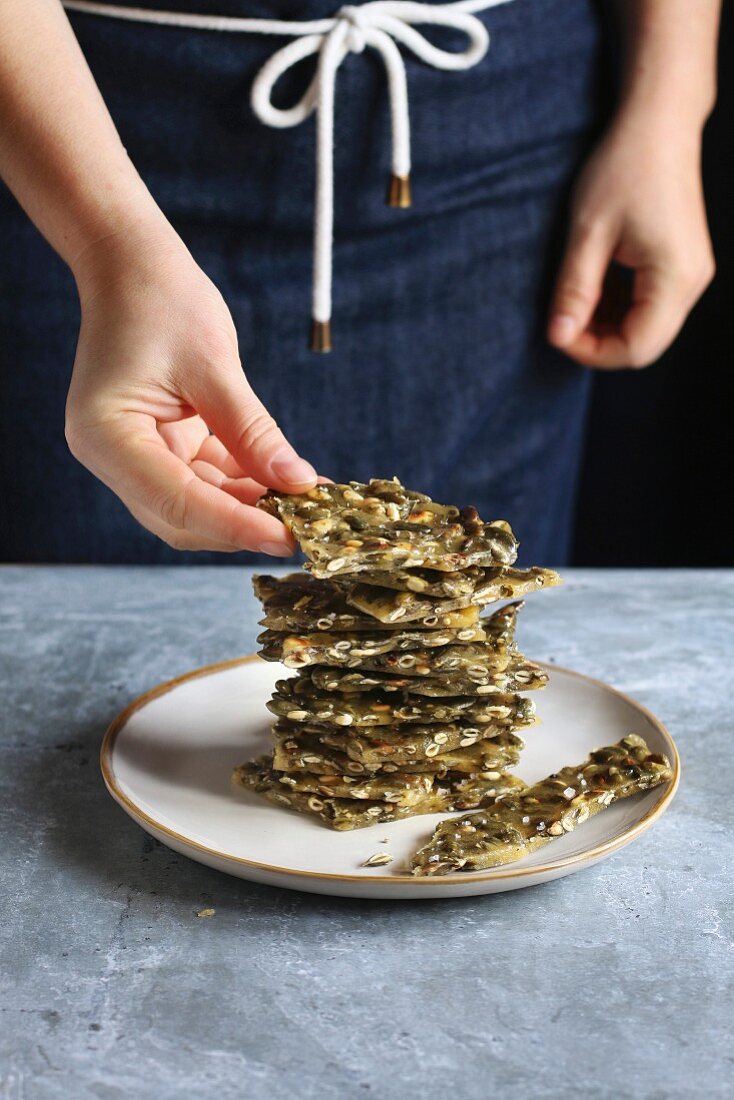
(117, 725)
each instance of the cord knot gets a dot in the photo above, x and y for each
(356, 24)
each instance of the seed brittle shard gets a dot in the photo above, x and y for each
(382, 525)
(292, 603)
(405, 650)
(520, 823)
(300, 700)
(414, 739)
(402, 788)
(453, 793)
(481, 584)
(480, 680)
(407, 753)
(390, 606)
(318, 751)
(414, 656)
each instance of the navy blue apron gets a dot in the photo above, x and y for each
(440, 373)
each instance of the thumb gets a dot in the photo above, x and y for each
(579, 283)
(237, 417)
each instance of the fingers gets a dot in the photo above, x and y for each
(210, 460)
(579, 284)
(132, 458)
(179, 540)
(184, 437)
(241, 422)
(662, 299)
(213, 451)
(655, 314)
(243, 489)
(621, 297)
(214, 463)
(654, 319)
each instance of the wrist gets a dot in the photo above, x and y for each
(129, 246)
(664, 108)
(653, 122)
(669, 61)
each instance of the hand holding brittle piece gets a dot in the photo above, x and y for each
(157, 369)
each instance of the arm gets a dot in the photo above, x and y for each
(157, 363)
(639, 199)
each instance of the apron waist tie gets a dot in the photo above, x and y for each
(380, 24)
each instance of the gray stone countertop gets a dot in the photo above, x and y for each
(612, 983)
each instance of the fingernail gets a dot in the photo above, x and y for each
(287, 466)
(562, 329)
(277, 549)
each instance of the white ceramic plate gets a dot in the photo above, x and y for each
(167, 760)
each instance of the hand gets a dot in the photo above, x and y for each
(156, 369)
(638, 203)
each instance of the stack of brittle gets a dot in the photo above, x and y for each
(405, 701)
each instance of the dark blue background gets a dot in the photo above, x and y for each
(658, 481)
(657, 472)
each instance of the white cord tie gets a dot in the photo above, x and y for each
(355, 38)
(379, 24)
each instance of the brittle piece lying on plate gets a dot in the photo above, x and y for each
(310, 754)
(303, 603)
(382, 525)
(365, 650)
(521, 823)
(486, 584)
(519, 675)
(302, 701)
(354, 813)
(390, 606)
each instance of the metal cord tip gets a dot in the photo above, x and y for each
(399, 192)
(321, 335)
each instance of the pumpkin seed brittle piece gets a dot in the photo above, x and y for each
(509, 712)
(382, 525)
(480, 584)
(440, 660)
(300, 700)
(300, 602)
(402, 788)
(521, 823)
(353, 813)
(477, 680)
(378, 650)
(309, 752)
(509, 584)
(498, 744)
(390, 606)
(428, 582)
